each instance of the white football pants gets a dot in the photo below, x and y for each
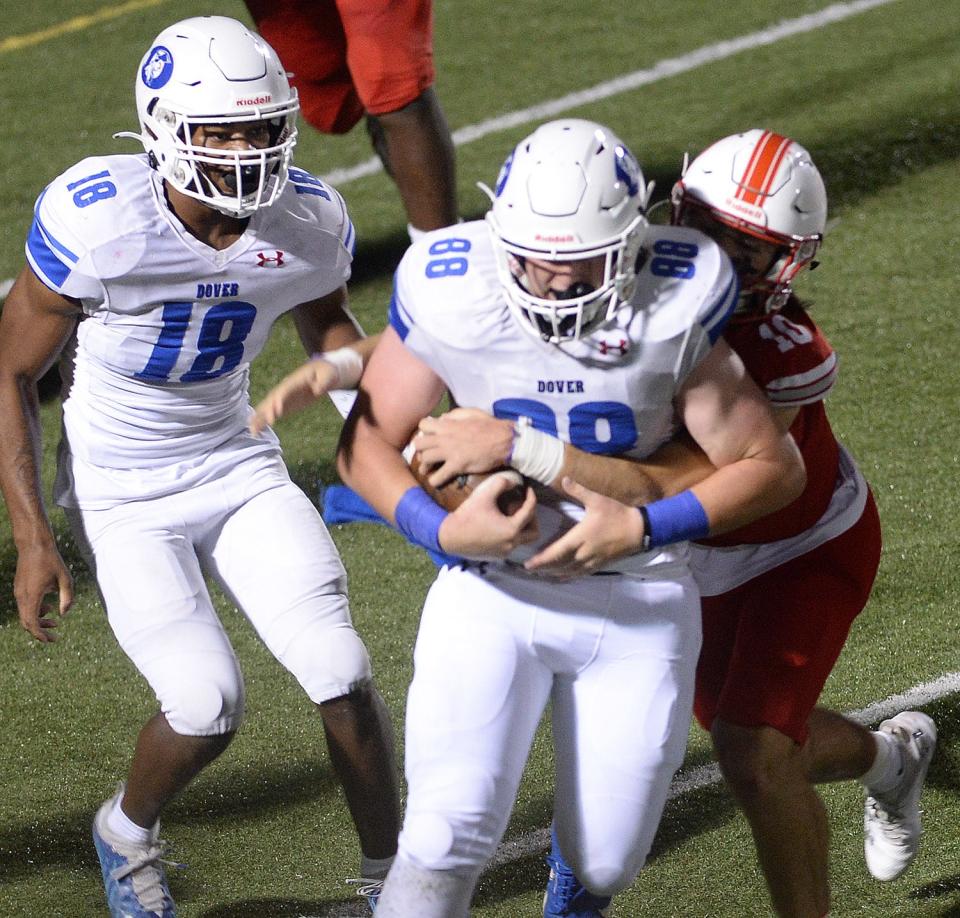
(258, 535)
(616, 657)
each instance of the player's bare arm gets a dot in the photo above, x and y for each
(468, 440)
(34, 326)
(325, 324)
(370, 458)
(338, 350)
(758, 466)
(757, 469)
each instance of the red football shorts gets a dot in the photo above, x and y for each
(769, 645)
(350, 57)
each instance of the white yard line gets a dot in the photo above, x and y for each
(689, 780)
(672, 66)
(536, 843)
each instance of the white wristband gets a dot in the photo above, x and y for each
(535, 454)
(348, 364)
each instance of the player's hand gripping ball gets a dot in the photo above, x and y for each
(452, 494)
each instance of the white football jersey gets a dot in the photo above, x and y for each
(611, 392)
(159, 363)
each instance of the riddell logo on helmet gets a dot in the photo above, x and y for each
(741, 208)
(255, 100)
(565, 238)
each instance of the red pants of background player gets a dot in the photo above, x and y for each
(350, 57)
(769, 645)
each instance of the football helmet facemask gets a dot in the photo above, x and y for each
(211, 70)
(571, 190)
(763, 185)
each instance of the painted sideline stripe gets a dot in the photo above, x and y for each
(536, 843)
(672, 66)
(17, 42)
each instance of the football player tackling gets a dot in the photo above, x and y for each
(563, 315)
(157, 277)
(780, 595)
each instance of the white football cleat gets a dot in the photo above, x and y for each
(891, 821)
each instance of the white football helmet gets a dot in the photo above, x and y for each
(213, 70)
(570, 190)
(765, 185)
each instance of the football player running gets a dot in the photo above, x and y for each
(157, 278)
(563, 316)
(780, 594)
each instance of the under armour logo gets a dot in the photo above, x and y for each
(264, 260)
(620, 348)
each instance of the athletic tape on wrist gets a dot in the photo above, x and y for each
(674, 519)
(535, 454)
(348, 364)
(419, 517)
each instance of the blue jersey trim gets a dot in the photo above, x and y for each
(401, 323)
(50, 238)
(45, 258)
(715, 320)
(350, 242)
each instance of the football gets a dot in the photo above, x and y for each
(455, 492)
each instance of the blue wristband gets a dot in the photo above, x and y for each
(419, 517)
(674, 519)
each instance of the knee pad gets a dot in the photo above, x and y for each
(205, 701)
(328, 660)
(454, 820)
(194, 673)
(203, 706)
(607, 879)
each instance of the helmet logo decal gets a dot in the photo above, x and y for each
(627, 169)
(763, 166)
(158, 69)
(504, 174)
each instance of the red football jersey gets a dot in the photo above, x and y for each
(793, 363)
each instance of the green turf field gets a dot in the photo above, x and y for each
(874, 97)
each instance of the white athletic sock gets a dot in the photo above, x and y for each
(372, 868)
(887, 768)
(122, 825)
